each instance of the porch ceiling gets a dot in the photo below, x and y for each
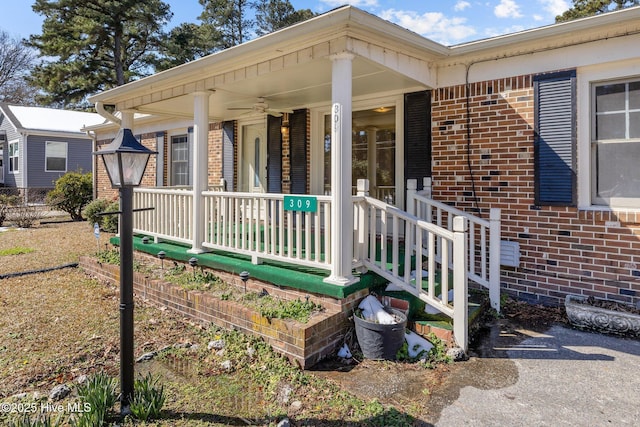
(292, 87)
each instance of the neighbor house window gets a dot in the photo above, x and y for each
(615, 143)
(55, 155)
(13, 156)
(180, 174)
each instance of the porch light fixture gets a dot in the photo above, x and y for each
(284, 128)
(125, 160)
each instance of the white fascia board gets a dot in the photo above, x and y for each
(329, 25)
(616, 18)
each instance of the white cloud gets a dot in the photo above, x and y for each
(538, 18)
(461, 5)
(555, 7)
(357, 3)
(433, 25)
(494, 32)
(507, 9)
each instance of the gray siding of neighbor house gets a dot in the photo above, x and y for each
(78, 158)
(11, 179)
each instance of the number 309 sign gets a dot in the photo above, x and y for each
(301, 203)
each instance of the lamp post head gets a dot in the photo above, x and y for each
(193, 261)
(125, 159)
(244, 276)
(162, 254)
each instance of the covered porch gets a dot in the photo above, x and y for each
(289, 100)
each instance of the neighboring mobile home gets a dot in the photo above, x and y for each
(542, 124)
(39, 145)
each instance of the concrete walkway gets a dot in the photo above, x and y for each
(561, 377)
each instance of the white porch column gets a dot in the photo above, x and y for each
(341, 200)
(199, 165)
(126, 121)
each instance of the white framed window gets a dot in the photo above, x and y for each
(14, 155)
(180, 160)
(55, 156)
(615, 143)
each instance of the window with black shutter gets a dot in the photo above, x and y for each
(274, 154)
(298, 150)
(228, 154)
(417, 136)
(555, 138)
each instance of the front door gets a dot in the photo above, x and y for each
(254, 158)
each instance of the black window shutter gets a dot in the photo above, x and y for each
(228, 154)
(274, 155)
(555, 138)
(417, 136)
(298, 150)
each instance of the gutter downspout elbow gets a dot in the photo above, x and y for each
(107, 115)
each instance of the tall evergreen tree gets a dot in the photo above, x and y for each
(96, 45)
(186, 43)
(584, 8)
(273, 15)
(16, 61)
(230, 19)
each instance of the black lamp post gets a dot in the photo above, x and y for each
(125, 160)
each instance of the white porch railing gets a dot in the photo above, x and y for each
(256, 224)
(171, 217)
(382, 231)
(483, 237)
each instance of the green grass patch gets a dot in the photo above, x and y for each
(19, 250)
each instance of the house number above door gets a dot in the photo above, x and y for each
(301, 203)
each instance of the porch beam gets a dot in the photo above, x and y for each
(199, 167)
(341, 203)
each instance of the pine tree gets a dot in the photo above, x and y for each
(229, 18)
(95, 45)
(273, 15)
(584, 8)
(186, 43)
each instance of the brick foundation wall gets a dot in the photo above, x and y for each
(305, 344)
(563, 250)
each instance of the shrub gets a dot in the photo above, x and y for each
(72, 192)
(108, 223)
(25, 216)
(6, 202)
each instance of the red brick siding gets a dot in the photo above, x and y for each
(564, 250)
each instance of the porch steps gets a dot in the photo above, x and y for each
(424, 323)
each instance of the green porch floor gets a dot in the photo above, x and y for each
(288, 275)
(279, 273)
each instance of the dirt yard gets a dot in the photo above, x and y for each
(59, 325)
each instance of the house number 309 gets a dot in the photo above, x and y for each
(301, 203)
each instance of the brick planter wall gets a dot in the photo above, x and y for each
(305, 344)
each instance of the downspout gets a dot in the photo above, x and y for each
(468, 95)
(107, 115)
(94, 165)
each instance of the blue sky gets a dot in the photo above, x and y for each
(445, 21)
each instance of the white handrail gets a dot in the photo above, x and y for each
(383, 230)
(483, 246)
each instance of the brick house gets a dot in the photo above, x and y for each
(542, 124)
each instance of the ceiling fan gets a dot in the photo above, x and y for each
(261, 107)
